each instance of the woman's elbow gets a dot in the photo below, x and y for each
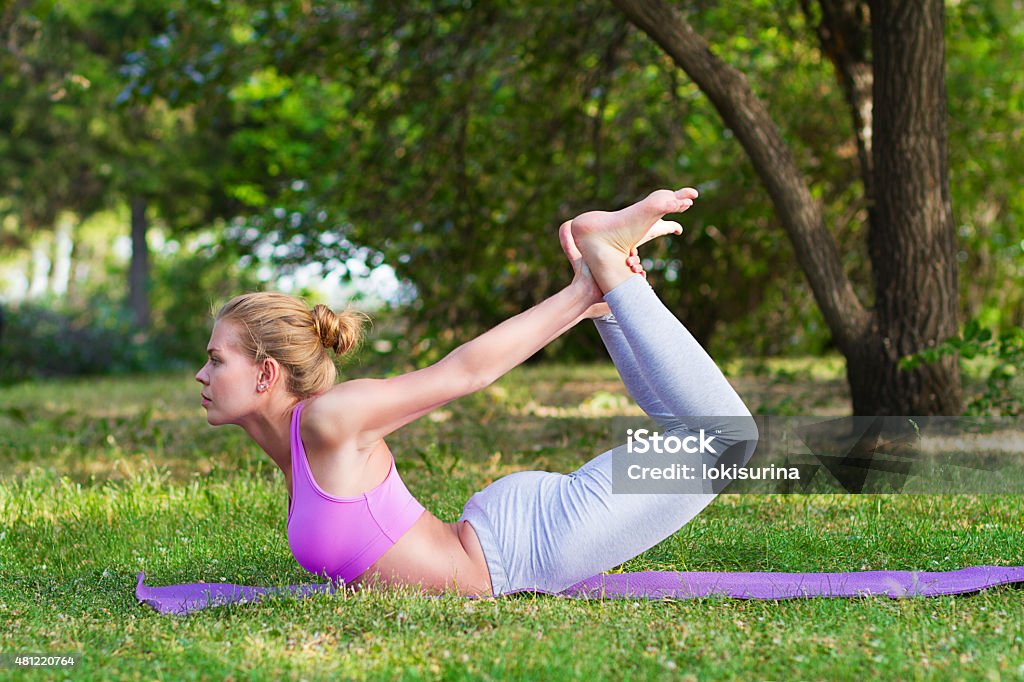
(476, 381)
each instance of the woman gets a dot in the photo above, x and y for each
(351, 517)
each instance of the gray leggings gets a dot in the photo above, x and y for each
(547, 531)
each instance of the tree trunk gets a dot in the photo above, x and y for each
(80, 254)
(71, 292)
(63, 245)
(138, 275)
(911, 239)
(41, 266)
(916, 292)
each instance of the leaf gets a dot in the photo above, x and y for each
(909, 362)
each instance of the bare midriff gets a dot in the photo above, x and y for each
(437, 556)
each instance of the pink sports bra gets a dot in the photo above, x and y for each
(341, 537)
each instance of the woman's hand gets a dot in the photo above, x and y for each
(583, 279)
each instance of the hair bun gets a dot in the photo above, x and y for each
(340, 333)
(327, 327)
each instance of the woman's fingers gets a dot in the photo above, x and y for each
(633, 261)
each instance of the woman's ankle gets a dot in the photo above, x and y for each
(611, 271)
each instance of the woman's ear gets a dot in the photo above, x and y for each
(269, 375)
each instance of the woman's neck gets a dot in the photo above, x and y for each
(271, 429)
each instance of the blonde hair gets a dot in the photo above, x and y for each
(282, 327)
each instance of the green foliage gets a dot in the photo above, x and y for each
(97, 335)
(417, 135)
(40, 341)
(70, 140)
(986, 117)
(187, 289)
(448, 140)
(1004, 388)
(49, 162)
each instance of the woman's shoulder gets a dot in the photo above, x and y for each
(329, 415)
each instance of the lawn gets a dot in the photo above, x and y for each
(102, 478)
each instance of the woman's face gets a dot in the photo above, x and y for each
(229, 377)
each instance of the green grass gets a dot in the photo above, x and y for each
(102, 478)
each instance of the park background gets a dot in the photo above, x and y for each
(414, 159)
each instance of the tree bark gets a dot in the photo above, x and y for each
(911, 237)
(909, 244)
(138, 275)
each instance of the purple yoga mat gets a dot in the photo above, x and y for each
(181, 599)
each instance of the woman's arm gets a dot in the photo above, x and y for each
(368, 409)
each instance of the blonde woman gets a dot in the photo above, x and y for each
(351, 518)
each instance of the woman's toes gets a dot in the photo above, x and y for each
(662, 201)
(686, 193)
(620, 230)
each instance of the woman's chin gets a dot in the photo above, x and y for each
(216, 418)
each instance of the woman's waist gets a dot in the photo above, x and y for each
(435, 555)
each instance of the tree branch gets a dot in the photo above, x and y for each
(748, 118)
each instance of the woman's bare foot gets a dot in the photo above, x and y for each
(581, 271)
(605, 239)
(633, 260)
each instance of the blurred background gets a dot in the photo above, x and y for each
(414, 160)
